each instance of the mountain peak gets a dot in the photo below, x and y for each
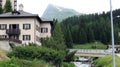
(57, 12)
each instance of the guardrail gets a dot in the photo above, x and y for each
(92, 51)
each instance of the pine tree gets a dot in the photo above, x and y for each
(8, 6)
(57, 40)
(1, 10)
(90, 35)
(68, 38)
(58, 36)
(82, 36)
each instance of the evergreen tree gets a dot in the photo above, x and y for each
(82, 36)
(57, 40)
(68, 38)
(58, 36)
(1, 10)
(8, 6)
(90, 35)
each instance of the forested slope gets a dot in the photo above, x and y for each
(92, 27)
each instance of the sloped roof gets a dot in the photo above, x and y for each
(44, 19)
(22, 14)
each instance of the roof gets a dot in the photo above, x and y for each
(44, 19)
(20, 14)
(23, 14)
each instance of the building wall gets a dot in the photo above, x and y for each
(34, 32)
(37, 31)
(5, 45)
(45, 25)
(23, 31)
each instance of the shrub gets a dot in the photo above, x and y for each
(106, 61)
(36, 52)
(15, 62)
(66, 64)
(70, 56)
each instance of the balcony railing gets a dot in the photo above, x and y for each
(13, 31)
(11, 40)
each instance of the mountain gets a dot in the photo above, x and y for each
(58, 13)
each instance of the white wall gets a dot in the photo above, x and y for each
(47, 25)
(5, 45)
(23, 31)
(32, 32)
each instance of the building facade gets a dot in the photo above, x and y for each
(24, 27)
(13, 3)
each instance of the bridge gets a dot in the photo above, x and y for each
(91, 52)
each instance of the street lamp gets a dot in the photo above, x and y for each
(112, 34)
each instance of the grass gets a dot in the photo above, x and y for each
(67, 64)
(106, 61)
(94, 45)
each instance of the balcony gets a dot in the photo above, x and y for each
(11, 40)
(13, 31)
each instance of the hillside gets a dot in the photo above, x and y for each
(57, 12)
(92, 27)
(106, 61)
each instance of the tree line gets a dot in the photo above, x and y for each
(89, 28)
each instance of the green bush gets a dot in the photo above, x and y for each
(70, 56)
(15, 62)
(106, 61)
(66, 64)
(36, 52)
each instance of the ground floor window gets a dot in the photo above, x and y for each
(26, 37)
(3, 36)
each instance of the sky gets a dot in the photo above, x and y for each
(81, 6)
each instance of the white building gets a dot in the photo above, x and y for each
(23, 27)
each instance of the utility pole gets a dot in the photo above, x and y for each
(112, 34)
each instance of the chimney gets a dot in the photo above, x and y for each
(21, 7)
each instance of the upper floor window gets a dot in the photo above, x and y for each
(26, 37)
(26, 26)
(3, 26)
(44, 30)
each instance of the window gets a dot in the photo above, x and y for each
(44, 30)
(3, 36)
(26, 26)
(3, 26)
(26, 37)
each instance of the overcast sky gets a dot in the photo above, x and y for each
(82, 6)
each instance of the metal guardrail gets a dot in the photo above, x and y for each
(91, 51)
